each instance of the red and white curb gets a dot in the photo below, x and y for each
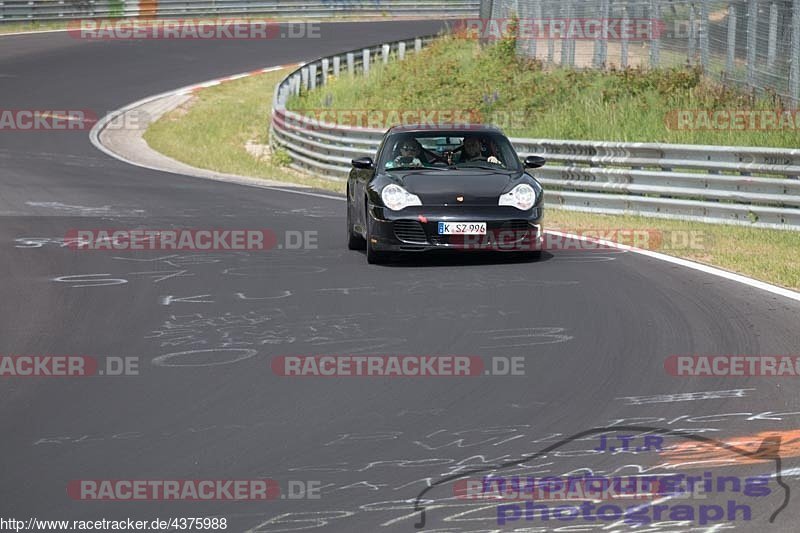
(219, 81)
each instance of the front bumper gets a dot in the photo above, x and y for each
(415, 229)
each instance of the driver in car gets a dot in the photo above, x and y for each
(471, 151)
(410, 155)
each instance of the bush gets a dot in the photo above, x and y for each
(280, 157)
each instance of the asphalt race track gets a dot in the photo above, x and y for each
(593, 330)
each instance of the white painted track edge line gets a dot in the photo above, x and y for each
(708, 269)
(33, 32)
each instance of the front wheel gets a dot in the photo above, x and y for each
(354, 241)
(374, 257)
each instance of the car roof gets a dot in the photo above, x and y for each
(445, 129)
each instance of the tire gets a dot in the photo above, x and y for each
(374, 257)
(354, 241)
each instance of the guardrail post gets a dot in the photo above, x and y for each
(385, 49)
(773, 35)
(729, 63)
(417, 45)
(324, 75)
(304, 78)
(283, 95)
(401, 51)
(336, 61)
(794, 72)
(365, 61)
(296, 85)
(752, 42)
(351, 63)
(312, 76)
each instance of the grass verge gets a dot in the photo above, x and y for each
(211, 132)
(25, 27)
(528, 100)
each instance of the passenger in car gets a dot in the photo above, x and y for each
(471, 151)
(409, 155)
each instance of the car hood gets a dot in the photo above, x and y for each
(435, 187)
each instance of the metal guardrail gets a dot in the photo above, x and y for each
(326, 149)
(50, 10)
(720, 184)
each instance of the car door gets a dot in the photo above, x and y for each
(360, 179)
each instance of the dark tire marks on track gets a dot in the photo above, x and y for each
(366, 440)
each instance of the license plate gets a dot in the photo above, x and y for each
(462, 228)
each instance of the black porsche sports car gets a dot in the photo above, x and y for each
(458, 189)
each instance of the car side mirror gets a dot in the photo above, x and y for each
(534, 161)
(364, 163)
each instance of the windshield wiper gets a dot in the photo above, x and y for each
(415, 168)
(481, 164)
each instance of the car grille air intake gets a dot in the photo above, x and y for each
(516, 225)
(409, 231)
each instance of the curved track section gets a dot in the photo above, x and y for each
(593, 330)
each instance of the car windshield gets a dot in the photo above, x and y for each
(443, 150)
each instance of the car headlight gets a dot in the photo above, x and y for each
(523, 197)
(396, 198)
